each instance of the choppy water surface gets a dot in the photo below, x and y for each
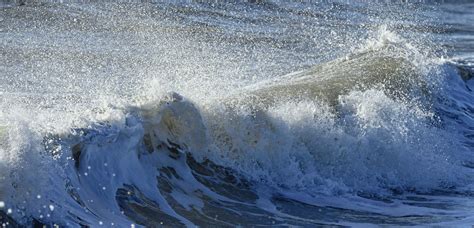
(273, 113)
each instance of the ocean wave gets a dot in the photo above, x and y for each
(368, 126)
(382, 134)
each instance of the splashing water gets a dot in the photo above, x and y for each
(287, 114)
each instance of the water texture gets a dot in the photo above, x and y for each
(129, 114)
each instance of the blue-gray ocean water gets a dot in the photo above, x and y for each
(265, 113)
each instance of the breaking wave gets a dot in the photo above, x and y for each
(375, 136)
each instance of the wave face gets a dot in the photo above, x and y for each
(250, 114)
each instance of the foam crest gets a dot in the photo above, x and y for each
(373, 143)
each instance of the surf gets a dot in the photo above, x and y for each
(380, 134)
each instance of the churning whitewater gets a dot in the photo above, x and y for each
(236, 114)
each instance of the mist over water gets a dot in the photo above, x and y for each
(272, 113)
